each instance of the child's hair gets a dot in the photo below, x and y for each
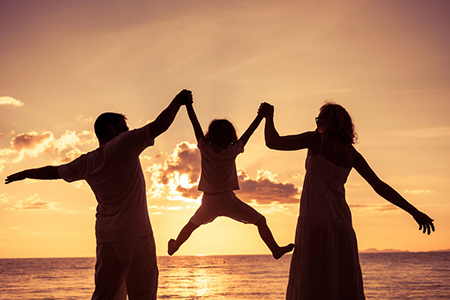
(221, 132)
(336, 122)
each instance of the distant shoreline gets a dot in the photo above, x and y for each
(374, 250)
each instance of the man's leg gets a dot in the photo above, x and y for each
(142, 273)
(109, 274)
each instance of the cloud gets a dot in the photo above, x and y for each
(25, 145)
(3, 198)
(418, 192)
(33, 203)
(5, 100)
(184, 160)
(30, 140)
(266, 188)
(373, 207)
(32, 144)
(178, 176)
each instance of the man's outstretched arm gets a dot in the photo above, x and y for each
(166, 117)
(49, 172)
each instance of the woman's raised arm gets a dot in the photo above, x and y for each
(288, 142)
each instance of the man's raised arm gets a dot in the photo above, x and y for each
(166, 117)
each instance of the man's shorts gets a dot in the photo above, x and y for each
(227, 205)
(126, 267)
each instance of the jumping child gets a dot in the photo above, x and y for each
(219, 148)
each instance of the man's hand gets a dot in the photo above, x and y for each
(15, 177)
(48, 172)
(184, 97)
(266, 110)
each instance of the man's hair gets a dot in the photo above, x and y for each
(104, 120)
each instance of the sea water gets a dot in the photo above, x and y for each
(390, 276)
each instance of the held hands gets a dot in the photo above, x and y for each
(266, 110)
(424, 221)
(184, 97)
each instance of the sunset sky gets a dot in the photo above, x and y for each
(65, 62)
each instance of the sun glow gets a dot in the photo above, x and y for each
(385, 61)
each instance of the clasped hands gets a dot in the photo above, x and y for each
(266, 110)
(184, 97)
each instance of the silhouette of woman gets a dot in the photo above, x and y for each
(325, 262)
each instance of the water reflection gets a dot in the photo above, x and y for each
(406, 275)
(217, 277)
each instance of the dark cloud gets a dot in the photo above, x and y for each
(32, 144)
(192, 193)
(265, 190)
(29, 140)
(185, 160)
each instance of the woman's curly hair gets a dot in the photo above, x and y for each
(337, 123)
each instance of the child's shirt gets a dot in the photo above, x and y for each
(219, 169)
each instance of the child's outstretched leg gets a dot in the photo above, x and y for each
(184, 234)
(267, 237)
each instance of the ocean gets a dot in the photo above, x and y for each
(390, 276)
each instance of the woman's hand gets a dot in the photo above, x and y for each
(424, 221)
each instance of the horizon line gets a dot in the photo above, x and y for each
(366, 251)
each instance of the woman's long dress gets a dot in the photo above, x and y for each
(325, 262)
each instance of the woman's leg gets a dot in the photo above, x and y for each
(184, 234)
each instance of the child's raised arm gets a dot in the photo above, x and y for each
(195, 123)
(251, 129)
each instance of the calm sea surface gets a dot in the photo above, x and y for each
(386, 276)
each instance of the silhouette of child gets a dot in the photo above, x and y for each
(219, 148)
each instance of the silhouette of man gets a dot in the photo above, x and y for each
(126, 255)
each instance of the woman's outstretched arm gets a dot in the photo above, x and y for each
(274, 141)
(194, 120)
(391, 195)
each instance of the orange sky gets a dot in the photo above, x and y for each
(64, 63)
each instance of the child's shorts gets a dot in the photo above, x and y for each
(227, 205)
